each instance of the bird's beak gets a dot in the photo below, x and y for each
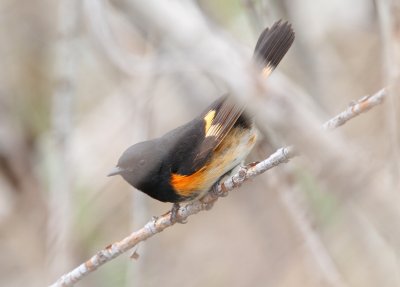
(116, 170)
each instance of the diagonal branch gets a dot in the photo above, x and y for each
(355, 108)
(158, 224)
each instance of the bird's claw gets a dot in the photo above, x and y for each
(175, 217)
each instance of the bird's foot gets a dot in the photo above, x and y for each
(219, 188)
(175, 217)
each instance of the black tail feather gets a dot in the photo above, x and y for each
(273, 44)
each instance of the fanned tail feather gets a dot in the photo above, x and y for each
(272, 45)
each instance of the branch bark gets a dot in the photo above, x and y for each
(158, 224)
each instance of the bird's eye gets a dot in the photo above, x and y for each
(142, 162)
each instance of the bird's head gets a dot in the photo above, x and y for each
(138, 162)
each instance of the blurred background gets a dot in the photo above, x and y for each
(80, 81)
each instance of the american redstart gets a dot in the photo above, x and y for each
(185, 163)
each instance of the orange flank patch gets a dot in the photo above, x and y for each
(232, 150)
(186, 185)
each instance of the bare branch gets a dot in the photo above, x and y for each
(158, 224)
(361, 106)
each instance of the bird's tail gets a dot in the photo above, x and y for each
(272, 45)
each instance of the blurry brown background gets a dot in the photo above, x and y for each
(80, 81)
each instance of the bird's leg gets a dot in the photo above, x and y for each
(223, 192)
(175, 217)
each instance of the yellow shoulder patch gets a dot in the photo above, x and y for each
(210, 129)
(208, 119)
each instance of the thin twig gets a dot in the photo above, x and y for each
(361, 106)
(158, 224)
